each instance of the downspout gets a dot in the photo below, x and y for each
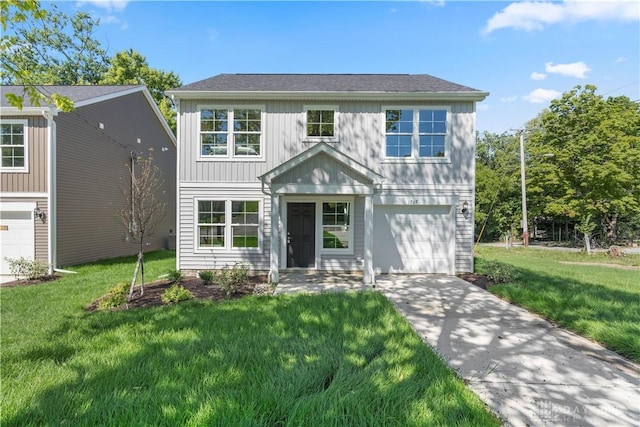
(176, 102)
(52, 202)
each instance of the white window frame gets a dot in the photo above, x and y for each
(336, 127)
(230, 156)
(24, 123)
(228, 224)
(415, 137)
(320, 226)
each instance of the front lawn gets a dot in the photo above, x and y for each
(598, 302)
(331, 359)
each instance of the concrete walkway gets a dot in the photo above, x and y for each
(527, 371)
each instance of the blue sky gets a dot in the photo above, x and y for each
(523, 53)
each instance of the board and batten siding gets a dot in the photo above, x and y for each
(92, 170)
(360, 136)
(35, 180)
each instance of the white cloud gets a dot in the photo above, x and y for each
(620, 59)
(575, 69)
(109, 5)
(530, 16)
(509, 99)
(538, 76)
(539, 96)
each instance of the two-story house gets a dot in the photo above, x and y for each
(334, 172)
(63, 173)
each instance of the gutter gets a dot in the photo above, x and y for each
(52, 201)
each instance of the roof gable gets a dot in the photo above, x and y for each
(346, 170)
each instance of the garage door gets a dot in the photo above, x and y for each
(412, 239)
(17, 236)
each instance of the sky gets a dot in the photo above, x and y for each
(523, 53)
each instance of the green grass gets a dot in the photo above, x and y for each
(598, 302)
(290, 360)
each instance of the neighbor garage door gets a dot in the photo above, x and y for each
(17, 234)
(412, 239)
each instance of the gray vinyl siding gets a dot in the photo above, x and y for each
(35, 180)
(92, 171)
(360, 136)
(192, 258)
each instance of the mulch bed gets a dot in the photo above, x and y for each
(153, 291)
(480, 280)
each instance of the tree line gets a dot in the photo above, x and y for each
(582, 166)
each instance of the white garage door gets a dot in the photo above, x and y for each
(17, 236)
(412, 239)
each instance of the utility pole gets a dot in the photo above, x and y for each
(525, 226)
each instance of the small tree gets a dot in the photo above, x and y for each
(143, 211)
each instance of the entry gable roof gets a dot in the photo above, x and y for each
(321, 148)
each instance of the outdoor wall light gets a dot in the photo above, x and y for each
(465, 208)
(38, 213)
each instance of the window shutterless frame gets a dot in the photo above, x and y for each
(230, 132)
(320, 123)
(417, 134)
(227, 225)
(14, 145)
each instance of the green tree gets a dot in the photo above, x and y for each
(498, 193)
(47, 47)
(130, 67)
(593, 174)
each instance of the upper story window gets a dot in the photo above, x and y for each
(321, 123)
(13, 144)
(416, 133)
(231, 132)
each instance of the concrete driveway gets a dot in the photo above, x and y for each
(527, 371)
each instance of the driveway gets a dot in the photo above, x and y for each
(527, 371)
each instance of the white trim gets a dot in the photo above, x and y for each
(230, 156)
(415, 136)
(52, 199)
(18, 207)
(224, 185)
(336, 128)
(330, 95)
(321, 189)
(26, 111)
(228, 237)
(179, 213)
(17, 195)
(25, 145)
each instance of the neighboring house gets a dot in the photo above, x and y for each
(371, 173)
(62, 174)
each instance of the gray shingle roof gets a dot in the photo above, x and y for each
(390, 83)
(75, 93)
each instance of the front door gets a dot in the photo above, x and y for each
(301, 238)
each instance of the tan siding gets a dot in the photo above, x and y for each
(92, 170)
(42, 231)
(34, 181)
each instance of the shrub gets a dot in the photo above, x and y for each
(231, 278)
(116, 297)
(499, 272)
(206, 276)
(24, 268)
(176, 293)
(175, 276)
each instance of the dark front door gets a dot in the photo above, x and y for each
(301, 238)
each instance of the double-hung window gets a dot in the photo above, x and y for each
(416, 133)
(13, 145)
(336, 226)
(321, 123)
(228, 224)
(230, 132)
